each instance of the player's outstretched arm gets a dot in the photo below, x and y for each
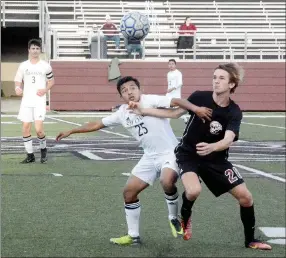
(161, 113)
(87, 128)
(201, 112)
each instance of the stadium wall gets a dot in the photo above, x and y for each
(84, 85)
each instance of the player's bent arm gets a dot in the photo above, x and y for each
(201, 112)
(50, 84)
(163, 113)
(183, 103)
(226, 142)
(18, 85)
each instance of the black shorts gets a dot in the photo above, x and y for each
(219, 176)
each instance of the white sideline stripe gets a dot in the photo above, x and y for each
(273, 231)
(18, 123)
(103, 114)
(264, 116)
(56, 174)
(126, 174)
(279, 127)
(90, 155)
(103, 130)
(259, 172)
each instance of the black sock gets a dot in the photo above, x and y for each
(186, 210)
(248, 219)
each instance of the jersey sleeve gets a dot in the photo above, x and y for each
(234, 123)
(157, 101)
(20, 74)
(49, 72)
(113, 119)
(194, 97)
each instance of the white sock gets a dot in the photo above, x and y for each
(28, 143)
(43, 143)
(132, 211)
(173, 205)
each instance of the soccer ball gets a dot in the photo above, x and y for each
(134, 25)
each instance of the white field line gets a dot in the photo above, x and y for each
(103, 130)
(90, 155)
(273, 126)
(261, 173)
(56, 174)
(104, 114)
(18, 123)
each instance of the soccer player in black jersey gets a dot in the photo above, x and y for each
(203, 150)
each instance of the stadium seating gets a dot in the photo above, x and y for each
(239, 30)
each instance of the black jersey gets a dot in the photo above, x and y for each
(223, 118)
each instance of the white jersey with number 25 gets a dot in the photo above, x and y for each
(154, 135)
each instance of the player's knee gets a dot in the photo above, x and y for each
(193, 192)
(40, 133)
(246, 199)
(129, 195)
(167, 183)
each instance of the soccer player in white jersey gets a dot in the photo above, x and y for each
(175, 83)
(33, 80)
(158, 141)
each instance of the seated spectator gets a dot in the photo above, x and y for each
(132, 46)
(110, 31)
(189, 29)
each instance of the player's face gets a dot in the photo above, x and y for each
(221, 82)
(34, 51)
(130, 92)
(172, 66)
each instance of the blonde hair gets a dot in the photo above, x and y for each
(236, 73)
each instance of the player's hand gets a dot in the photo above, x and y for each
(133, 104)
(204, 148)
(204, 113)
(41, 92)
(62, 135)
(134, 108)
(18, 91)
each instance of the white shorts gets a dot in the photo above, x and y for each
(30, 114)
(149, 168)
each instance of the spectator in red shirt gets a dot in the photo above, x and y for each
(187, 25)
(110, 31)
(187, 28)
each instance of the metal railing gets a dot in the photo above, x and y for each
(3, 6)
(240, 45)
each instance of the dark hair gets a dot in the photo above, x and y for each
(172, 60)
(36, 42)
(124, 80)
(187, 18)
(235, 73)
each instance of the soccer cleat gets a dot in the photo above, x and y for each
(44, 158)
(29, 159)
(187, 228)
(176, 228)
(126, 240)
(257, 244)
